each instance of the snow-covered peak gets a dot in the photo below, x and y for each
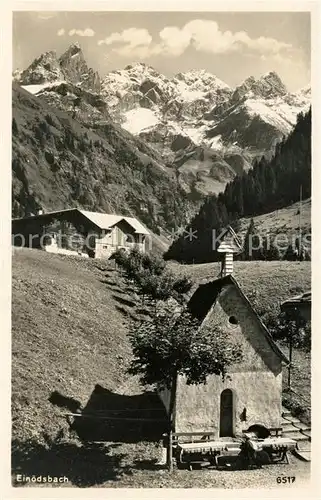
(129, 77)
(16, 74)
(133, 73)
(301, 98)
(267, 86)
(73, 50)
(44, 68)
(140, 67)
(306, 91)
(271, 83)
(140, 85)
(71, 67)
(200, 79)
(199, 85)
(271, 75)
(75, 45)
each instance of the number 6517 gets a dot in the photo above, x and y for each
(285, 479)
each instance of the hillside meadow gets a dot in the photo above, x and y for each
(266, 283)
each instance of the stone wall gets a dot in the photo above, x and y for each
(259, 393)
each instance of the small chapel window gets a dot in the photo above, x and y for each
(233, 320)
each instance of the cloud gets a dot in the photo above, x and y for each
(46, 15)
(61, 32)
(132, 37)
(203, 35)
(85, 32)
(207, 37)
(174, 41)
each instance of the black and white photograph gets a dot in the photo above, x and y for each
(161, 249)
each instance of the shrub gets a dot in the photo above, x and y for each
(154, 264)
(49, 157)
(50, 120)
(43, 125)
(287, 325)
(157, 287)
(14, 126)
(297, 409)
(291, 253)
(151, 276)
(182, 285)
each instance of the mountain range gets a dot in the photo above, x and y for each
(195, 130)
(207, 130)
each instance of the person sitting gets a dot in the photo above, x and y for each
(259, 430)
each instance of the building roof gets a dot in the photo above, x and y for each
(229, 241)
(299, 300)
(206, 295)
(44, 214)
(101, 220)
(106, 221)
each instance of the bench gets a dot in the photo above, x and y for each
(204, 448)
(278, 448)
(197, 448)
(206, 452)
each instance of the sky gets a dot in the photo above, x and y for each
(231, 45)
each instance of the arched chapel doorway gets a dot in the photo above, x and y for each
(227, 413)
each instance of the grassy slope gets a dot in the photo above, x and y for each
(286, 220)
(267, 284)
(68, 334)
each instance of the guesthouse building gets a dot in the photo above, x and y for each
(77, 231)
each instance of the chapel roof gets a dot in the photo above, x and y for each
(205, 296)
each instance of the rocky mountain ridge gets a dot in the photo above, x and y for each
(196, 111)
(71, 66)
(205, 130)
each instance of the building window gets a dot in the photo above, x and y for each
(105, 246)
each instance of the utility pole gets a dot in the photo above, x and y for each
(290, 359)
(300, 230)
(295, 318)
